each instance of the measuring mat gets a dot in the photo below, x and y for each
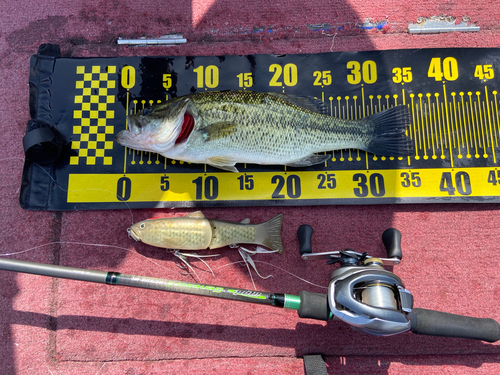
(452, 95)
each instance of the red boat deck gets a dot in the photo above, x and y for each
(50, 326)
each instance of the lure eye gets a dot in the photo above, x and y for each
(142, 226)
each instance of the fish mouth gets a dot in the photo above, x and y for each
(133, 234)
(136, 123)
(125, 138)
(136, 136)
(122, 137)
(157, 132)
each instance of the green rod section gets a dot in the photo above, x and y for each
(114, 278)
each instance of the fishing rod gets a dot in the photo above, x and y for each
(361, 293)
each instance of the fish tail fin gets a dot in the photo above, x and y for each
(272, 240)
(389, 132)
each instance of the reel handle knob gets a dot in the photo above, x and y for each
(392, 242)
(304, 234)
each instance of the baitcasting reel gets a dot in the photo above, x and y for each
(361, 292)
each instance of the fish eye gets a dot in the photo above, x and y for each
(147, 111)
(142, 226)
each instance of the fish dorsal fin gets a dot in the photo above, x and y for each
(218, 130)
(223, 162)
(308, 103)
(245, 221)
(196, 215)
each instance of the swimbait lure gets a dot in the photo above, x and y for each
(195, 232)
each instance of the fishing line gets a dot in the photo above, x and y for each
(74, 191)
(83, 244)
(241, 263)
(67, 191)
(176, 253)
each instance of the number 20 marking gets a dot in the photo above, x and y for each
(290, 75)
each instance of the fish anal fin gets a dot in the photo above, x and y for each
(309, 160)
(218, 130)
(196, 214)
(223, 162)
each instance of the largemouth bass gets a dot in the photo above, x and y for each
(229, 127)
(195, 232)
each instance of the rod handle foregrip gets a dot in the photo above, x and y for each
(314, 306)
(436, 323)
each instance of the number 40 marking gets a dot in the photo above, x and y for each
(447, 69)
(461, 185)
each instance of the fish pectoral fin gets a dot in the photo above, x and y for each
(309, 160)
(223, 162)
(196, 214)
(218, 130)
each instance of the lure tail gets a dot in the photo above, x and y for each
(266, 234)
(270, 233)
(389, 132)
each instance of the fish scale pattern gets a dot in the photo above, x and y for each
(271, 127)
(193, 237)
(190, 233)
(225, 233)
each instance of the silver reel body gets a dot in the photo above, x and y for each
(361, 292)
(370, 299)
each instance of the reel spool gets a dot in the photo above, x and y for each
(361, 293)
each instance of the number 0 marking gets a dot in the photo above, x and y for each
(124, 188)
(128, 77)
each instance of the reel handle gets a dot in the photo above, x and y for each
(304, 234)
(437, 323)
(392, 242)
